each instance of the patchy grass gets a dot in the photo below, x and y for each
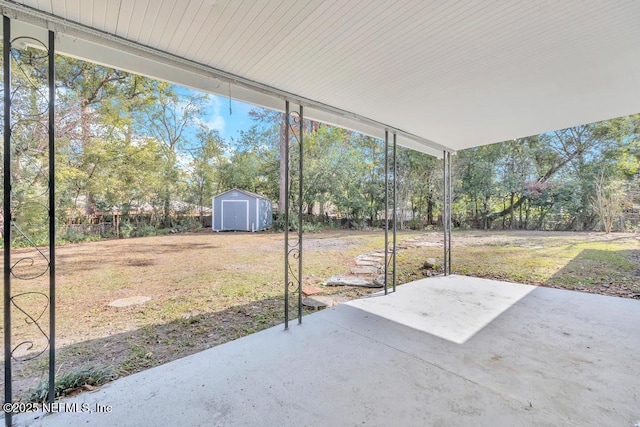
(591, 262)
(206, 288)
(209, 288)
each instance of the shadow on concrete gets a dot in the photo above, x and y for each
(152, 345)
(551, 358)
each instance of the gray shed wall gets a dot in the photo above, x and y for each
(237, 211)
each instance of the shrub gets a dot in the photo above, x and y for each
(126, 228)
(83, 376)
(144, 231)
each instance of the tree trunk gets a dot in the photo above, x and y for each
(85, 123)
(520, 219)
(429, 209)
(486, 213)
(511, 216)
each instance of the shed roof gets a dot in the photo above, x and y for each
(443, 75)
(245, 192)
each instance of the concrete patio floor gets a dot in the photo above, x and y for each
(447, 351)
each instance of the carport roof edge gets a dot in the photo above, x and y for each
(444, 76)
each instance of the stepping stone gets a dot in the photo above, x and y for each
(350, 281)
(364, 270)
(360, 263)
(368, 259)
(126, 302)
(310, 290)
(318, 302)
(376, 255)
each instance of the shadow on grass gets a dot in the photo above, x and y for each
(601, 271)
(152, 345)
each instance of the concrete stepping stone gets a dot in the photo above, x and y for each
(311, 290)
(376, 255)
(361, 262)
(319, 302)
(365, 270)
(350, 281)
(368, 259)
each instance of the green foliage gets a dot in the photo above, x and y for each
(140, 148)
(84, 376)
(77, 235)
(126, 229)
(144, 231)
(547, 181)
(139, 357)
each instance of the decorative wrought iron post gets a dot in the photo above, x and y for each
(450, 212)
(52, 217)
(395, 208)
(286, 216)
(6, 212)
(29, 144)
(300, 206)
(390, 173)
(293, 250)
(390, 256)
(386, 211)
(446, 210)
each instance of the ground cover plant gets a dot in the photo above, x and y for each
(208, 288)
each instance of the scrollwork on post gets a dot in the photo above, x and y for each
(28, 195)
(293, 259)
(31, 320)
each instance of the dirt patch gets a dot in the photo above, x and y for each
(206, 289)
(328, 244)
(209, 288)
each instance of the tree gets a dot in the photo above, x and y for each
(86, 97)
(608, 201)
(204, 167)
(418, 183)
(478, 173)
(168, 120)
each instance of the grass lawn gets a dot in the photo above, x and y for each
(208, 288)
(590, 262)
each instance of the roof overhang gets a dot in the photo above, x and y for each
(442, 76)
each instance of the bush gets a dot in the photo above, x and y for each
(76, 235)
(144, 231)
(188, 224)
(126, 228)
(308, 227)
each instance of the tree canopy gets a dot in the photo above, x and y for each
(139, 149)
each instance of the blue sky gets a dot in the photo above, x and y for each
(229, 124)
(217, 116)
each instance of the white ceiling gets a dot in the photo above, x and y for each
(443, 74)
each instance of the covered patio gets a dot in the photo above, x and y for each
(434, 77)
(447, 351)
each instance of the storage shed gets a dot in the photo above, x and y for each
(240, 210)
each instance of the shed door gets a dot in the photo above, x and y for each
(235, 215)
